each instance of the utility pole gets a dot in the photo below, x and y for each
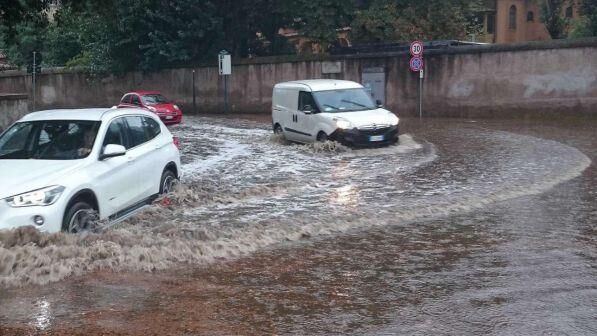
(34, 73)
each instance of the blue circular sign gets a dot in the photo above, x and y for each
(416, 64)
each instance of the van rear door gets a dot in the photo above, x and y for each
(284, 109)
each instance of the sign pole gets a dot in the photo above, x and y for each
(417, 65)
(225, 93)
(194, 94)
(34, 86)
(421, 75)
(225, 64)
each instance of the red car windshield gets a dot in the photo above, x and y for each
(154, 99)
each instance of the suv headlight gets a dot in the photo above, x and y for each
(343, 124)
(42, 197)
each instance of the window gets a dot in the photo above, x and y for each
(116, 134)
(569, 12)
(49, 140)
(152, 128)
(154, 99)
(306, 99)
(530, 17)
(15, 139)
(137, 135)
(490, 23)
(512, 17)
(347, 100)
(135, 100)
(126, 99)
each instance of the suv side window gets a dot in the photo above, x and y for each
(152, 128)
(306, 98)
(137, 134)
(135, 100)
(116, 134)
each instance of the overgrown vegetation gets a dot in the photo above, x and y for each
(113, 36)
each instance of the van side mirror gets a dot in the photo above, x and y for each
(379, 103)
(111, 151)
(308, 109)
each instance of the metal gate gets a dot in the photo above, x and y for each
(374, 80)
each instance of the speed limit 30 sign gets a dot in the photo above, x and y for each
(416, 48)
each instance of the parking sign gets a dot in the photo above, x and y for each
(416, 64)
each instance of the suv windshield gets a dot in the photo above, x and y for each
(49, 140)
(154, 99)
(343, 100)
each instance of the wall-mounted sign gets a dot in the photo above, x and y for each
(331, 67)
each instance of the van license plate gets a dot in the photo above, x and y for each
(376, 138)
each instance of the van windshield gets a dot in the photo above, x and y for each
(335, 101)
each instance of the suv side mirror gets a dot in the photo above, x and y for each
(379, 103)
(111, 151)
(308, 109)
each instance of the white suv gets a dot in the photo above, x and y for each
(61, 168)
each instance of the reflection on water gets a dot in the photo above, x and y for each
(42, 315)
(347, 196)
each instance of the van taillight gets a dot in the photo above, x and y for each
(176, 142)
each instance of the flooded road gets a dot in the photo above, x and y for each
(485, 227)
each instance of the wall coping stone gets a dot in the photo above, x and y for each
(475, 49)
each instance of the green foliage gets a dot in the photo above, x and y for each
(22, 28)
(27, 37)
(178, 33)
(411, 19)
(551, 16)
(587, 26)
(320, 19)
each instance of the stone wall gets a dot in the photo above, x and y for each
(483, 81)
(12, 108)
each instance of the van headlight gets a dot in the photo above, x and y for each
(343, 124)
(42, 197)
(394, 120)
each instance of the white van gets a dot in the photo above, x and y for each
(323, 109)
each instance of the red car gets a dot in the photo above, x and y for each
(155, 102)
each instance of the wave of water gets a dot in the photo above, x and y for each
(244, 191)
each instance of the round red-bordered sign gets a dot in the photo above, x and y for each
(416, 48)
(416, 64)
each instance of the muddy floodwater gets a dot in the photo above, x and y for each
(467, 227)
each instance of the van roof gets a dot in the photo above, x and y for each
(314, 85)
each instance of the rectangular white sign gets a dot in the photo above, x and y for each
(331, 67)
(225, 64)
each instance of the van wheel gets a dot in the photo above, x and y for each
(79, 218)
(322, 137)
(167, 182)
(278, 130)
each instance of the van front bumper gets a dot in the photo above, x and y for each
(366, 138)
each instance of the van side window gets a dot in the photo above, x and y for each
(306, 98)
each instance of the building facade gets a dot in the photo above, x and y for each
(509, 21)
